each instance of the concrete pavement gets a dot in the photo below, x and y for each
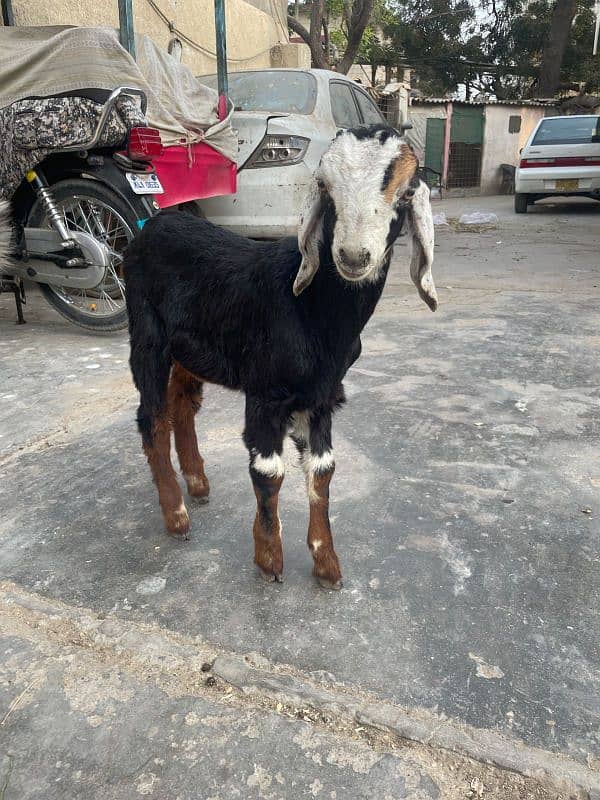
(465, 513)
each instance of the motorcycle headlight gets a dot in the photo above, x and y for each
(278, 151)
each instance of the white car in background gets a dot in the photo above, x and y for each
(561, 157)
(285, 120)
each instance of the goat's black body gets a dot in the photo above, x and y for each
(223, 307)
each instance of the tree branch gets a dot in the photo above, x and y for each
(298, 28)
(359, 19)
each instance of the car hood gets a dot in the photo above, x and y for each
(250, 128)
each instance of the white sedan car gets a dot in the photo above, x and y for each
(561, 157)
(285, 120)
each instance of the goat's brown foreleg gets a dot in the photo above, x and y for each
(312, 435)
(263, 436)
(185, 399)
(158, 453)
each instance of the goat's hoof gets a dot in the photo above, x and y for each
(327, 584)
(200, 500)
(178, 523)
(271, 577)
(198, 488)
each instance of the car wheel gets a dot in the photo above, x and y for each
(521, 203)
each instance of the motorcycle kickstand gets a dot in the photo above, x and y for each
(19, 290)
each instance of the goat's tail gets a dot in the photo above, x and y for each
(150, 362)
(6, 235)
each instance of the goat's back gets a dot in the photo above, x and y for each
(224, 302)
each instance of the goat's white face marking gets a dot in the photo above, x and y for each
(355, 172)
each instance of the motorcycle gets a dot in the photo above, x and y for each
(74, 214)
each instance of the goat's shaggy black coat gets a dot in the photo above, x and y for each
(223, 307)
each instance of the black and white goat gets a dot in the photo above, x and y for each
(280, 321)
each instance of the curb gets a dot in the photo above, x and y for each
(554, 771)
(182, 664)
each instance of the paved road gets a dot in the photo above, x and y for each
(468, 456)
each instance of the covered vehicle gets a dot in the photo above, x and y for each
(285, 120)
(83, 161)
(561, 157)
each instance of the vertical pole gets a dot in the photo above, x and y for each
(447, 134)
(126, 26)
(597, 28)
(8, 18)
(221, 57)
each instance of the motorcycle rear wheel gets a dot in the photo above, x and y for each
(95, 209)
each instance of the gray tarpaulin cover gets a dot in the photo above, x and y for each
(45, 61)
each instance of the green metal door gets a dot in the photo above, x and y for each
(466, 144)
(467, 125)
(434, 143)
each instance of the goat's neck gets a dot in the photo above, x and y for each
(343, 309)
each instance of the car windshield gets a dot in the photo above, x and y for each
(270, 90)
(568, 130)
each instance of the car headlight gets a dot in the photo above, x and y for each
(278, 151)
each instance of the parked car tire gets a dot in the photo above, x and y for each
(521, 203)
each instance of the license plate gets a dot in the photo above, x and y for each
(567, 185)
(144, 183)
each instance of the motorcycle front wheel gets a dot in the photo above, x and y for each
(96, 210)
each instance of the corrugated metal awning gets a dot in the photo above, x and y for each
(444, 100)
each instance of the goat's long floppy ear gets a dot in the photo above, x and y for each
(310, 232)
(420, 224)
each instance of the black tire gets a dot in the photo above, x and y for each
(521, 203)
(63, 191)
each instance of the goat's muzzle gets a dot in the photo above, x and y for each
(353, 265)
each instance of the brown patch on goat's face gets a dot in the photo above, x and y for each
(399, 173)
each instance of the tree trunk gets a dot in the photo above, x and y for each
(562, 18)
(359, 19)
(326, 37)
(312, 37)
(360, 15)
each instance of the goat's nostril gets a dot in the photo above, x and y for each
(355, 259)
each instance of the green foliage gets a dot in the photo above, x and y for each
(435, 37)
(515, 41)
(449, 42)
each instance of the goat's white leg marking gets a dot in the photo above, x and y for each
(316, 465)
(312, 464)
(270, 466)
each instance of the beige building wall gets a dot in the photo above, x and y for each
(500, 146)
(254, 27)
